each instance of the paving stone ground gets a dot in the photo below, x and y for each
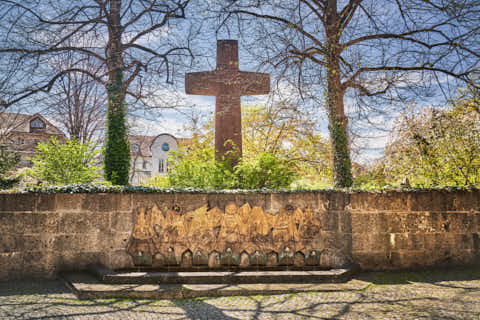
(434, 294)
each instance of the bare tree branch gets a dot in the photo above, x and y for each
(376, 54)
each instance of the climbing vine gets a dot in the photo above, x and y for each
(342, 165)
(117, 149)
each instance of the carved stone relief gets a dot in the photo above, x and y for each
(238, 236)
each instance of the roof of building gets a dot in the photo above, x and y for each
(20, 123)
(143, 141)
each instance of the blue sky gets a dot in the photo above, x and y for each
(165, 120)
(375, 133)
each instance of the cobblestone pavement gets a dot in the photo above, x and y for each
(440, 294)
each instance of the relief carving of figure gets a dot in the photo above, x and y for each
(141, 244)
(184, 225)
(261, 226)
(241, 229)
(229, 227)
(201, 234)
(244, 214)
(165, 225)
(284, 226)
(142, 224)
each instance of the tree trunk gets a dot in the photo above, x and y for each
(117, 149)
(342, 165)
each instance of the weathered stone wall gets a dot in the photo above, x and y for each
(41, 234)
(396, 230)
(241, 230)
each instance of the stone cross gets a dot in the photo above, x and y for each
(227, 83)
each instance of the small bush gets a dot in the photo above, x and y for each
(8, 162)
(197, 168)
(68, 163)
(156, 182)
(265, 171)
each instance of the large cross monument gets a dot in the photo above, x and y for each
(227, 83)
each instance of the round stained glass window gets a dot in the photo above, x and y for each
(165, 147)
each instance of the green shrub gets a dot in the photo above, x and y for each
(265, 171)
(8, 183)
(197, 168)
(68, 163)
(8, 162)
(156, 182)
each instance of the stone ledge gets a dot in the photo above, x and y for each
(221, 277)
(86, 286)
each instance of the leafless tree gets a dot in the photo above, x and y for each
(8, 122)
(78, 103)
(373, 53)
(8, 118)
(137, 38)
(469, 96)
(139, 44)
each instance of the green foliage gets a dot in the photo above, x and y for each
(196, 167)
(430, 149)
(8, 183)
(341, 155)
(372, 179)
(308, 183)
(71, 162)
(156, 182)
(8, 161)
(441, 148)
(105, 188)
(117, 149)
(290, 133)
(281, 132)
(265, 171)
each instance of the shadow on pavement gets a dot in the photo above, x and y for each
(52, 300)
(32, 287)
(432, 276)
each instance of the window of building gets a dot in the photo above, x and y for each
(37, 124)
(136, 148)
(144, 164)
(161, 165)
(165, 147)
(21, 141)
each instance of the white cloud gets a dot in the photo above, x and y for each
(164, 124)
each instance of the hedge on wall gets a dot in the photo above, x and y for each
(99, 188)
